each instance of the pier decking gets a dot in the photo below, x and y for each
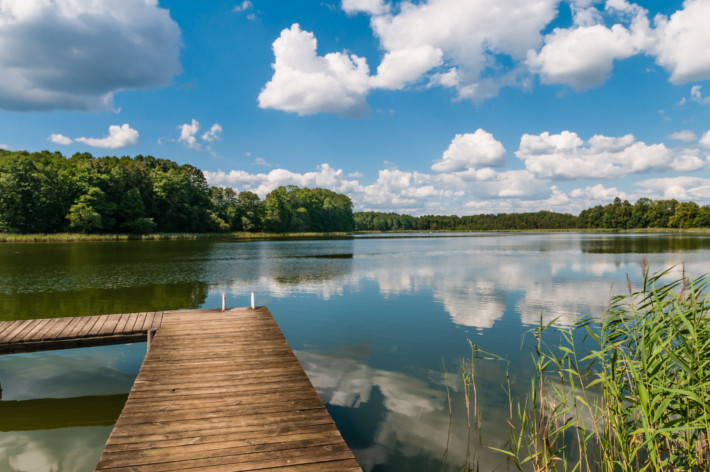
(221, 391)
(78, 331)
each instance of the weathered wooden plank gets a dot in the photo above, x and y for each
(157, 321)
(96, 328)
(266, 434)
(121, 325)
(246, 461)
(109, 326)
(36, 327)
(82, 327)
(147, 321)
(4, 326)
(202, 452)
(210, 433)
(134, 319)
(52, 329)
(70, 325)
(15, 329)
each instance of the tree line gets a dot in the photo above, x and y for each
(375, 221)
(45, 192)
(645, 213)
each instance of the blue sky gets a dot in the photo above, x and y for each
(433, 106)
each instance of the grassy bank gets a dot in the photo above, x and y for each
(78, 237)
(636, 397)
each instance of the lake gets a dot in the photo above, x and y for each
(372, 319)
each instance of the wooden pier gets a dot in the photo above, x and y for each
(77, 331)
(218, 391)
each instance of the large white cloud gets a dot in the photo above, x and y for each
(118, 137)
(683, 42)
(469, 34)
(567, 156)
(74, 54)
(681, 188)
(470, 151)
(306, 83)
(581, 57)
(405, 65)
(477, 47)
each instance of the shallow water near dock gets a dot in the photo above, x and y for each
(372, 320)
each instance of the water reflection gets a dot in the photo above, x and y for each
(413, 425)
(73, 279)
(59, 407)
(54, 450)
(53, 413)
(645, 243)
(371, 320)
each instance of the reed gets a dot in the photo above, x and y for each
(629, 393)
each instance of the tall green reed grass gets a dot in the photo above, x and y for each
(628, 393)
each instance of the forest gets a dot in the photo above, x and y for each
(619, 215)
(45, 192)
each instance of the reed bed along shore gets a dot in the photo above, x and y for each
(629, 393)
(79, 237)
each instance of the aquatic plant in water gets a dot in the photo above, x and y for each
(629, 393)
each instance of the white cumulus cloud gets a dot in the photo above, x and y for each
(74, 54)
(245, 5)
(118, 137)
(597, 194)
(187, 134)
(213, 134)
(60, 139)
(469, 34)
(306, 83)
(681, 188)
(567, 156)
(684, 135)
(405, 65)
(583, 56)
(373, 7)
(683, 42)
(705, 140)
(470, 151)
(697, 96)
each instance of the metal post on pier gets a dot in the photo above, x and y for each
(252, 300)
(224, 301)
(151, 333)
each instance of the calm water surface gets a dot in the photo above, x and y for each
(371, 319)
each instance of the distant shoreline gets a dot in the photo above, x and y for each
(79, 237)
